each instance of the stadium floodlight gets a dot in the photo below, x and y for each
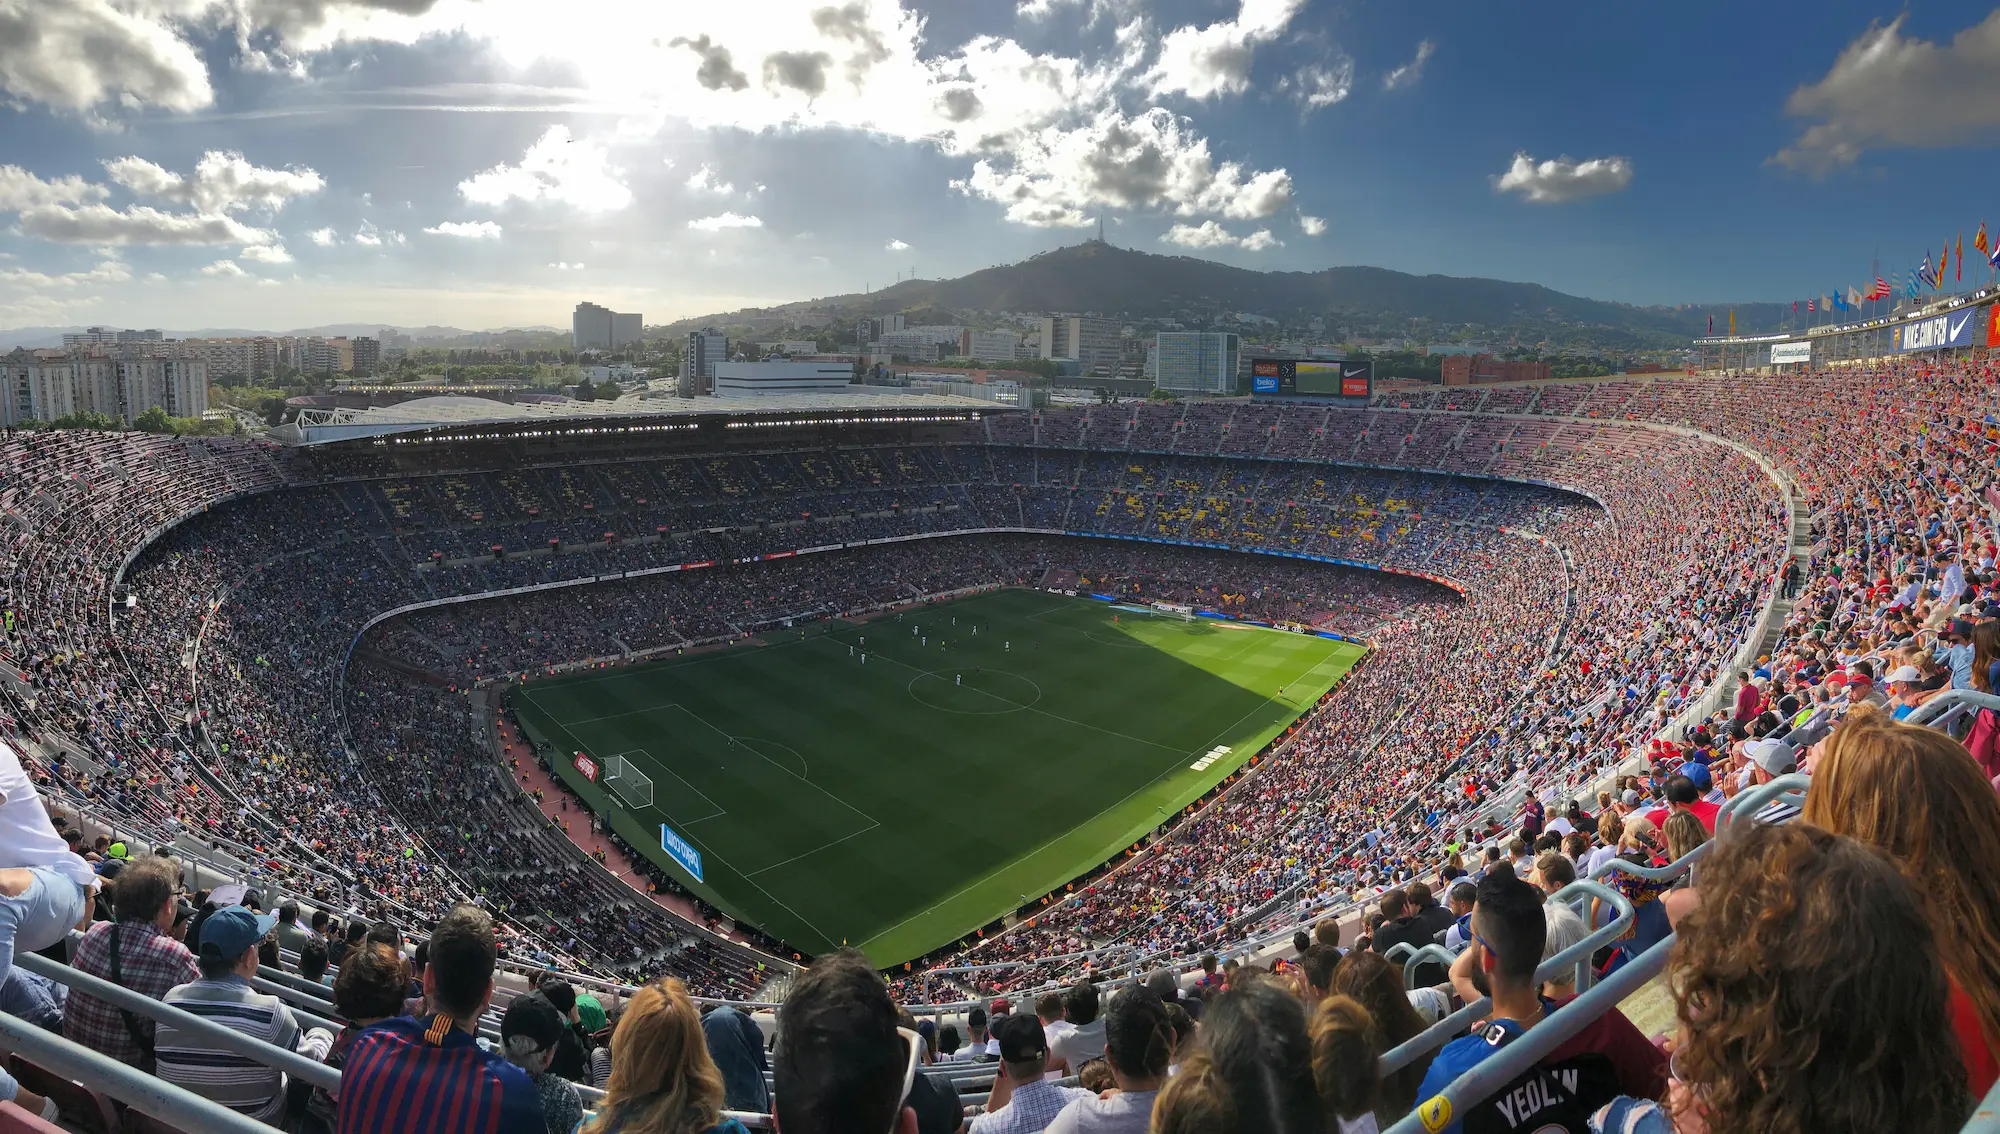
(627, 782)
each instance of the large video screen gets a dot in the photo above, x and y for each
(1300, 378)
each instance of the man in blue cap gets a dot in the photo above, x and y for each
(228, 959)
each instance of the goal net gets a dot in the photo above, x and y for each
(627, 782)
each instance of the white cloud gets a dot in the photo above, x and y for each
(139, 224)
(107, 271)
(557, 169)
(1888, 90)
(324, 237)
(470, 230)
(725, 220)
(374, 237)
(225, 269)
(896, 245)
(1207, 234)
(1318, 86)
(77, 55)
(560, 266)
(1260, 240)
(223, 181)
(266, 254)
(1312, 226)
(1150, 161)
(1563, 179)
(1409, 73)
(704, 180)
(1203, 62)
(20, 189)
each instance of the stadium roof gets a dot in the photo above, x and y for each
(456, 414)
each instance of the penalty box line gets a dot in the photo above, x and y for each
(716, 811)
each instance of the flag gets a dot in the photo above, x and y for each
(1795, 307)
(1880, 290)
(1993, 257)
(1958, 273)
(1979, 239)
(1732, 322)
(1826, 303)
(1944, 262)
(1925, 275)
(1839, 300)
(1853, 295)
(1711, 323)
(1812, 305)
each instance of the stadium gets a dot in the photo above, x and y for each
(1008, 700)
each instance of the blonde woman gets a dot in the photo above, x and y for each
(662, 1080)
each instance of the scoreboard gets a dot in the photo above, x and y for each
(1310, 378)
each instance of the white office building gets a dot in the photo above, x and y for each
(917, 346)
(1196, 362)
(989, 346)
(121, 383)
(705, 351)
(1091, 341)
(749, 379)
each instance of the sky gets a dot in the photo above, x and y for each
(487, 163)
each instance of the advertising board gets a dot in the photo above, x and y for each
(1311, 378)
(1784, 353)
(681, 852)
(587, 766)
(1941, 332)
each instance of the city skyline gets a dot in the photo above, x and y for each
(486, 163)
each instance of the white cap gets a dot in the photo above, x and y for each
(1908, 673)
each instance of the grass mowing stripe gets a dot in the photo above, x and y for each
(1019, 756)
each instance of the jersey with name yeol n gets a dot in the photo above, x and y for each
(1606, 1059)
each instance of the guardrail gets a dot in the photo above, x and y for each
(174, 1105)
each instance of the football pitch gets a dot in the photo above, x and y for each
(988, 750)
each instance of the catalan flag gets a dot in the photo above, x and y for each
(1959, 271)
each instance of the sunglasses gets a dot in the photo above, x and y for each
(916, 1043)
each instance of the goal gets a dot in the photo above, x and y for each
(627, 782)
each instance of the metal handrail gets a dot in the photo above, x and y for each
(1437, 953)
(290, 1062)
(1749, 802)
(1399, 949)
(1950, 706)
(1435, 1036)
(1673, 869)
(1496, 1071)
(174, 1105)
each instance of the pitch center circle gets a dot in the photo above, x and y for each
(984, 693)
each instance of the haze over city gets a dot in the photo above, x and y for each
(484, 163)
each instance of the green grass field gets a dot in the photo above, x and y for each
(902, 802)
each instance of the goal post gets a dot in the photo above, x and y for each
(628, 783)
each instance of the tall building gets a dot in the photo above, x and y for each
(749, 379)
(917, 346)
(1462, 370)
(367, 357)
(704, 350)
(1196, 362)
(600, 328)
(120, 382)
(1091, 341)
(248, 359)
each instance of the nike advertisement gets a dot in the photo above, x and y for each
(1301, 378)
(1939, 332)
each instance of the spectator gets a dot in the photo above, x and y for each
(312, 961)
(1139, 1044)
(1565, 930)
(571, 1059)
(937, 1106)
(408, 1076)
(1812, 937)
(1049, 1010)
(1552, 872)
(841, 1065)
(1607, 1058)
(737, 1047)
(134, 951)
(1346, 1051)
(320, 921)
(1023, 1102)
(368, 991)
(292, 936)
(1683, 795)
(662, 1077)
(223, 995)
(1377, 986)
(48, 889)
(529, 1033)
(1318, 965)
(1459, 934)
(978, 1045)
(1084, 1041)
(1253, 1073)
(356, 932)
(1684, 833)
(1915, 794)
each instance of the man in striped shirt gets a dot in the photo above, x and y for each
(415, 1076)
(228, 959)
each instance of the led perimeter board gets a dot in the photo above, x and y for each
(1311, 378)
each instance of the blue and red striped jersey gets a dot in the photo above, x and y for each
(411, 1076)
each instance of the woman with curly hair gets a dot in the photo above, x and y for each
(662, 1079)
(1916, 794)
(1809, 996)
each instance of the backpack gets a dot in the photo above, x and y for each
(1553, 1097)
